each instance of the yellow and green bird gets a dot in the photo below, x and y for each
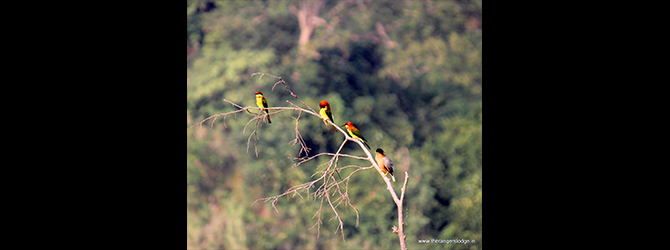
(355, 133)
(262, 103)
(326, 114)
(384, 163)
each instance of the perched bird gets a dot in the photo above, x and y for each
(326, 113)
(384, 163)
(262, 103)
(355, 133)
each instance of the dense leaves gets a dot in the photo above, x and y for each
(408, 74)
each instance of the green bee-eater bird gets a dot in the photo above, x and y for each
(262, 103)
(326, 114)
(355, 133)
(384, 163)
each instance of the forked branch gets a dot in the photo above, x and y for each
(330, 186)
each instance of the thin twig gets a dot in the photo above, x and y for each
(283, 83)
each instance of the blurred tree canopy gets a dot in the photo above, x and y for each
(408, 74)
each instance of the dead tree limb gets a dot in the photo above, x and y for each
(329, 185)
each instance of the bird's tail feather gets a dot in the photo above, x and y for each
(366, 144)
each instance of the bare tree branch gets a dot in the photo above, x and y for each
(283, 83)
(400, 230)
(329, 185)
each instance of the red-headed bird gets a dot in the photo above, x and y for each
(326, 114)
(384, 163)
(355, 133)
(262, 103)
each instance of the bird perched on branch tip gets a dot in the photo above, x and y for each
(384, 163)
(263, 104)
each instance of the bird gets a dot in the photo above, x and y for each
(384, 163)
(355, 133)
(326, 113)
(262, 103)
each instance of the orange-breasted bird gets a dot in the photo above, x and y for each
(326, 114)
(384, 163)
(262, 103)
(355, 133)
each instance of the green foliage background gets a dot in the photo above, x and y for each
(418, 99)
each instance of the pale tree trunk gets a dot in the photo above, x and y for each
(308, 19)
